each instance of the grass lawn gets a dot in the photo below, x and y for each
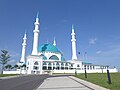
(101, 79)
(5, 75)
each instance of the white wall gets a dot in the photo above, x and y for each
(15, 72)
(83, 71)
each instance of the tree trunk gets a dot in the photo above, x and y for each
(2, 69)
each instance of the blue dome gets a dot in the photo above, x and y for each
(48, 48)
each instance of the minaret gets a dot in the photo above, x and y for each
(54, 43)
(22, 60)
(35, 41)
(73, 40)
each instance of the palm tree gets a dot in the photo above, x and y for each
(4, 58)
(9, 67)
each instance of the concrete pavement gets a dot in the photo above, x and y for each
(67, 83)
(61, 83)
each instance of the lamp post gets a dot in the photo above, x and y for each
(79, 56)
(85, 71)
(108, 76)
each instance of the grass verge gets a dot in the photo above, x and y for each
(101, 79)
(5, 75)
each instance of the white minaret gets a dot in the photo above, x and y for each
(73, 40)
(35, 41)
(22, 60)
(54, 43)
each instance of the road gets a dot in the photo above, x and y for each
(29, 82)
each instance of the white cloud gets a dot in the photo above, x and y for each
(92, 41)
(98, 52)
(14, 54)
(110, 56)
(64, 20)
(112, 52)
(12, 62)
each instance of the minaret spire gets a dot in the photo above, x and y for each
(37, 15)
(36, 32)
(22, 60)
(54, 43)
(73, 40)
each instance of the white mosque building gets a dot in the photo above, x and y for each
(48, 58)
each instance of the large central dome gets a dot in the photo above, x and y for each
(48, 48)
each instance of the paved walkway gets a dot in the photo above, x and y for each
(62, 83)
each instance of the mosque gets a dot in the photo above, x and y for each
(48, 58)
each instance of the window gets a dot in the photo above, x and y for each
(57, 63)
(36, 63)
(49, 64)
(28, 63)
(35, 67)
(62, 64)
(44, 63)
(66, 64)
(54, 57)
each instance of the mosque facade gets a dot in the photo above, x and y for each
(48, 58)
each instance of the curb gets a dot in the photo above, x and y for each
(88, 84)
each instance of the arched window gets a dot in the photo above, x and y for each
(49, 64)
(54, 57)
(44, 63)
(57, 64)
(36, 63)
(66, 64)
(78, 65)
(43, 57)
(28, 63)
(71, 65)
(36, 68)
(62, 64)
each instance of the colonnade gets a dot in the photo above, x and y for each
(56, 65)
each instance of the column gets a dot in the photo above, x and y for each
(64, 66)
(47, 65)
(52, 65)
(60, 66)
(68, 66)
(55, 65)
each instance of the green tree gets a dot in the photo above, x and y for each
(24, 66)
(4, 58)
(16, 67)
(9, 67)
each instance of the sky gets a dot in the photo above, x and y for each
(96, 23)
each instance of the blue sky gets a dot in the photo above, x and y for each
(96, 22)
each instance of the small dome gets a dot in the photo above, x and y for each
(48, 48)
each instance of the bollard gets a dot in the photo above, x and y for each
(108, 76)
(75, 73)
(85, 72)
